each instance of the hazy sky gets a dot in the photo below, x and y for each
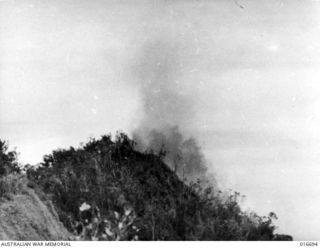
(70, 69)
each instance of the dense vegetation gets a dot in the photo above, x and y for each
(106, 190)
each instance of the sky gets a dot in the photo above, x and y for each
(70, 70)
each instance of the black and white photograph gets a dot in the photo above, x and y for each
(159, 120)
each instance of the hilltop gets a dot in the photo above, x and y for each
(107, 190)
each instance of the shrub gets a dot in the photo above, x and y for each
(8, 160)
(12, 185)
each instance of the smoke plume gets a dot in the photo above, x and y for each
(168, 109)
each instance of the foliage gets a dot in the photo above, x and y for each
(12, 185)
(109, 175)
(8, 160)
(92, 226)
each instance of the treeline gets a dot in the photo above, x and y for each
(106, 190)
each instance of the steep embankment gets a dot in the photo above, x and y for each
(24, 216)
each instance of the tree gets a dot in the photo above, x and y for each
(8, 160)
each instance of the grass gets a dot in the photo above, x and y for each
(23, 216)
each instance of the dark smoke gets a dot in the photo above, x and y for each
(168, 109)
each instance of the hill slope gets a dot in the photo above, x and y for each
(23, 216)
(105, 190)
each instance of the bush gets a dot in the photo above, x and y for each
(118, 226)
(12, 185)
(8, 160)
